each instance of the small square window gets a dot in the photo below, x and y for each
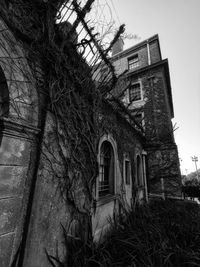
(133, 62)
(135, 92)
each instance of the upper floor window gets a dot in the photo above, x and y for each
(135, 92)
(133, 62)
(106, 171)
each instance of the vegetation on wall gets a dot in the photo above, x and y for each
(69, 99)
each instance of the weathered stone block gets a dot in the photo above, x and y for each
(12, 180)
(9, 214)
(14, 68)
(6, 242)
(22, 111)
(14, 151)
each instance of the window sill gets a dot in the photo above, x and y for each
(105, 199)
(133, 69)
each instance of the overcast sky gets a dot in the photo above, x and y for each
(177, 22)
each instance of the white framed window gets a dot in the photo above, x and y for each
(106, 170)
(4, 95)
(135, 92)
(133, 62)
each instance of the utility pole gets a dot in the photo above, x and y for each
(195, 159)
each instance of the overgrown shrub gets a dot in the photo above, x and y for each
(163, 233)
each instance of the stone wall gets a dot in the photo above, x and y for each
(156, 107)
(127, 142)
(17, 139)
(163, 170)
(51, 211)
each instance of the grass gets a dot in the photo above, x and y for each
(161, 234)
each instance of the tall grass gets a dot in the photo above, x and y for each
(163, 233)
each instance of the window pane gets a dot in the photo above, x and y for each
(135, 92)
(133, 62)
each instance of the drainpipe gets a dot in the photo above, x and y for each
(144, 154)
(148, 53)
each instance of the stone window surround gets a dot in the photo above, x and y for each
(107, 197)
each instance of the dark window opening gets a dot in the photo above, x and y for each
(139, 172)
(138, 118)
(127, 172)
(4, 95)
(106, 172)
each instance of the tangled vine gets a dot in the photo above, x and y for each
(70, 100)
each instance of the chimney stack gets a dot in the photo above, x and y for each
(118, 46)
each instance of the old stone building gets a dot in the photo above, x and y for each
(33, 203)
(44, 169)
(148, 96)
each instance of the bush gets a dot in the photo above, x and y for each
(163, 233)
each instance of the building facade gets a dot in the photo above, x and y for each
(131, 152)
(33, 202)
(148, 97)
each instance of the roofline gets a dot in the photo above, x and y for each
(162, 63)
(116, 112)
(136, 47)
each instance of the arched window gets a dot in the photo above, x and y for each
(139, 171)
(4, 95)
(106, 171)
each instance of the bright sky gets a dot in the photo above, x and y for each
(177, 23)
